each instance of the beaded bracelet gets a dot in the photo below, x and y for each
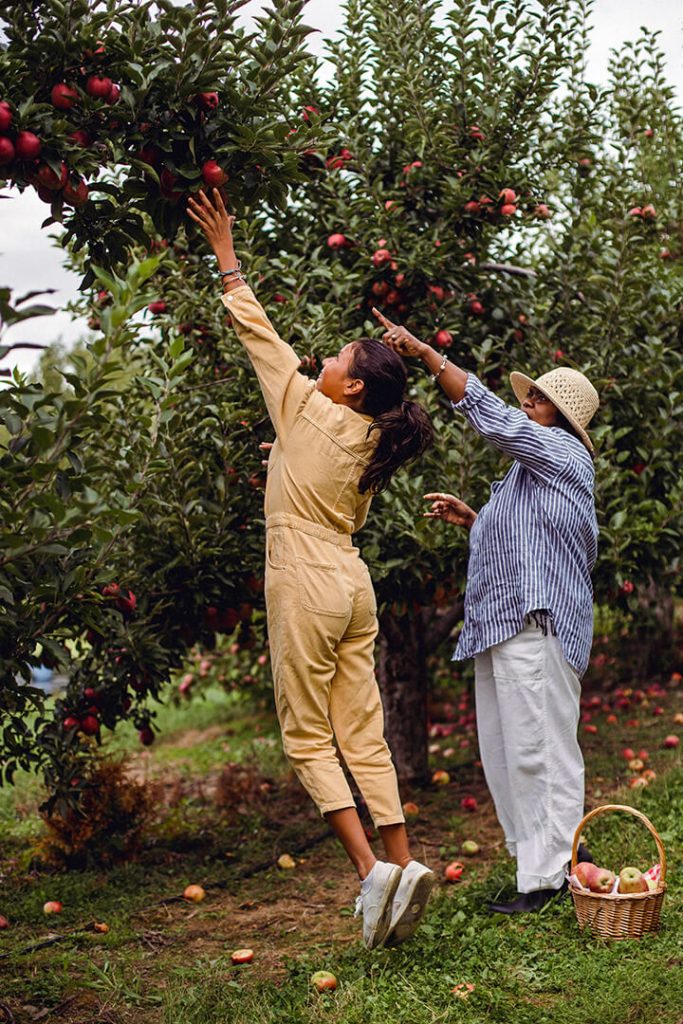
(435, 376)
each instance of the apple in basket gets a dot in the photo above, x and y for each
(595, 878)
(631, 880)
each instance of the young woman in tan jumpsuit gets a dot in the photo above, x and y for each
(338, 441)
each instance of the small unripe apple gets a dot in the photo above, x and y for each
(441, 777)
(63, 96)
(242, 956)
(98, 86)
(52, 907)
(27, 146)
(5, 115)
(453, 871)
(323, 981)
(194, 893)
(470, 848)
(6, 151)
(337, 241)
(213, 174)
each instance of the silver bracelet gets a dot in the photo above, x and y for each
(435, 376)
(235, 270)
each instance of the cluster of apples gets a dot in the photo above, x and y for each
(506, 206)
(597, 879)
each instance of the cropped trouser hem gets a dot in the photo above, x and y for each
(379, 822)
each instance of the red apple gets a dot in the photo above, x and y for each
(98, 86)
(242, 956)
(5, 115)
(114, 94)
(453, 871)
(468, 803)
(63, 96)
(628, 753)
(52, 907)
(323, 981)
(541, 211)
(80, 138)
(444, 339)
(635, 211)
(90, 725)
(307, 111)
(6, 151)
(441, 777)
(50, 179)
(507, 196)
(337, 241)
(157, 307)
(380, 257)
(71, 722)
(472, 207)
(194, 893)
(146, 736)
(671, 741)
(649, 212)
(76, 196)
(508, 210)
(27, 146)
(631, 880)
(593, 877)
(611, 720)
(213, 174)
(150, 154)
(4, 923)
(207, 100)
(592, 729)
(475, 307)
(410, 810)
(475, 132)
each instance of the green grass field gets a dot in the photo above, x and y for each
(169, 962)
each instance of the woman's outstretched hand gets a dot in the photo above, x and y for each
(216, 224)
(399, 338)
(450, 509)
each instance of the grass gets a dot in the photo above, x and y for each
(169, 963)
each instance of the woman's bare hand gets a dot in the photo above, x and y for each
(265, 446)
(399, 338)
(216, 224)
(450, 509)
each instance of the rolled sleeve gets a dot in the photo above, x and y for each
(542, 450)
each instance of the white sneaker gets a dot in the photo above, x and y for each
(375, 902)
(410, 901)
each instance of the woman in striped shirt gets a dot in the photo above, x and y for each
(528, 605)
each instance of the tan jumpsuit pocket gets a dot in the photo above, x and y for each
(321, 588)
(276, 554)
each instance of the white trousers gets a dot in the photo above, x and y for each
(527, 700)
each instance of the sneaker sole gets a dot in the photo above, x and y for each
(383, 926)
(409, 921)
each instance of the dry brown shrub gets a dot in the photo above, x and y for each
(107, 824)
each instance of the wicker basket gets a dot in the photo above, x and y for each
(619, 915)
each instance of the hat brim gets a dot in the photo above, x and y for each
(521, 384)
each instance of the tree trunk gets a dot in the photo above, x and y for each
(402, 677)
(403, 645)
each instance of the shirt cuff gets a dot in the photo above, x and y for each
(474, 392)
(227, 297)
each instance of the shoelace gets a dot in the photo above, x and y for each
(359, 906)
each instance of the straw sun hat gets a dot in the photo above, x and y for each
(569, 391)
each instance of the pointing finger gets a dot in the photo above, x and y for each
(383, 320)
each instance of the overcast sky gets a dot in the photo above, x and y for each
(29, 260)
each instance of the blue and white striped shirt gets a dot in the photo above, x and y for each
(534, 543)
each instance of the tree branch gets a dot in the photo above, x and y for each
(441, 626)
(508, 268)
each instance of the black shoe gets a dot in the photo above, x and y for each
(583, 855)
(528, 902)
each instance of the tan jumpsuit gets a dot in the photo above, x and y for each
(322, 614)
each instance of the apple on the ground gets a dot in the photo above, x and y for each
(194, 893)
(242, 956)
(324, 981)
(470, 848)
(52, 907)
(453, 871)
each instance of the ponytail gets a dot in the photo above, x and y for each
(405, 429)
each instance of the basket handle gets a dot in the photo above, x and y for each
(628, 810)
